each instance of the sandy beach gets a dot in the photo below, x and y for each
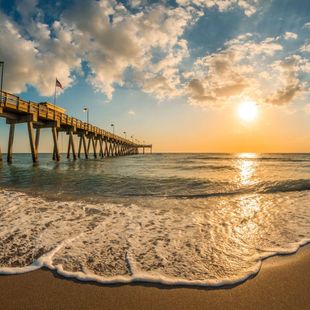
(282, 283)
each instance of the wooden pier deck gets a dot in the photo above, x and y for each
(39, 116)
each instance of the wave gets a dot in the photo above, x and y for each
(116, 243)
(259, 188)
(201, 167)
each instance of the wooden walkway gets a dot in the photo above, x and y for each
(39, 116)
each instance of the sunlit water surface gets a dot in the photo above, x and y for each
(201, 219)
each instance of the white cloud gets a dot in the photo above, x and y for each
(290, 36)
(149, 45)
(248, 6)
(306, 26)
(305, 48)
(35, 62)
(246, 68)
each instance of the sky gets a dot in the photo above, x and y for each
(170, 73)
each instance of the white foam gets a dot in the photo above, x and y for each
(210, 242)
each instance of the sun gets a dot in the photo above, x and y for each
(247, 110)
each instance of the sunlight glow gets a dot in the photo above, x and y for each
(247, 110)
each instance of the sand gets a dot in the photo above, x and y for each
(282, 283)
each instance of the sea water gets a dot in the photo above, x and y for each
(197, 219)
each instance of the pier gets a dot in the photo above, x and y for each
(44, 115)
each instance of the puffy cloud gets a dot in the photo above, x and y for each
(230, 72)
(146, 42)
(285, 95)
(35, 62)
(290, 85)
(248, 6)
(245, 68)
(305, 48)
(290, 36)
(307, 26)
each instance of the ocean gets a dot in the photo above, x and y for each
(182, 219)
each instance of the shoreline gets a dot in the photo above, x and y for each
(282, 282)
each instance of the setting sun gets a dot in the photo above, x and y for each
(247, 110)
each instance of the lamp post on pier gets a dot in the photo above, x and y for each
(112, 125)
(125, 134)
(87, 111)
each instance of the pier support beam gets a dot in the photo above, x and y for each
(71, 146)
(32, 142)
(56, 155)
(85, 148)
(80, 146)
(106, 148)
(94, 146)
(37, 139)
(10, 144)
(110, 150)
(88, 144)
(101, 148)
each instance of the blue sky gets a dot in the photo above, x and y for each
(168, 72)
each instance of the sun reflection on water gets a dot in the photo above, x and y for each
(249, 205)
(247, 166)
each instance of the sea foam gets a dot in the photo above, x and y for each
(171, 241)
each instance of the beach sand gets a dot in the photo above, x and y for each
(282, 283)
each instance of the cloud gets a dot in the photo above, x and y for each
(305, 48)
(247, 67)
(306, 26)
(36, 62)
(229, 73)
(114, 40)
(290, 36)
(248, 6)
(285, 95)
(146, 42)
(131, 113)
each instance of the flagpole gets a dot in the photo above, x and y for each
(55, 92)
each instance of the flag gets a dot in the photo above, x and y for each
(58, 84)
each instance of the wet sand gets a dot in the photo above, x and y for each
(282, 283)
